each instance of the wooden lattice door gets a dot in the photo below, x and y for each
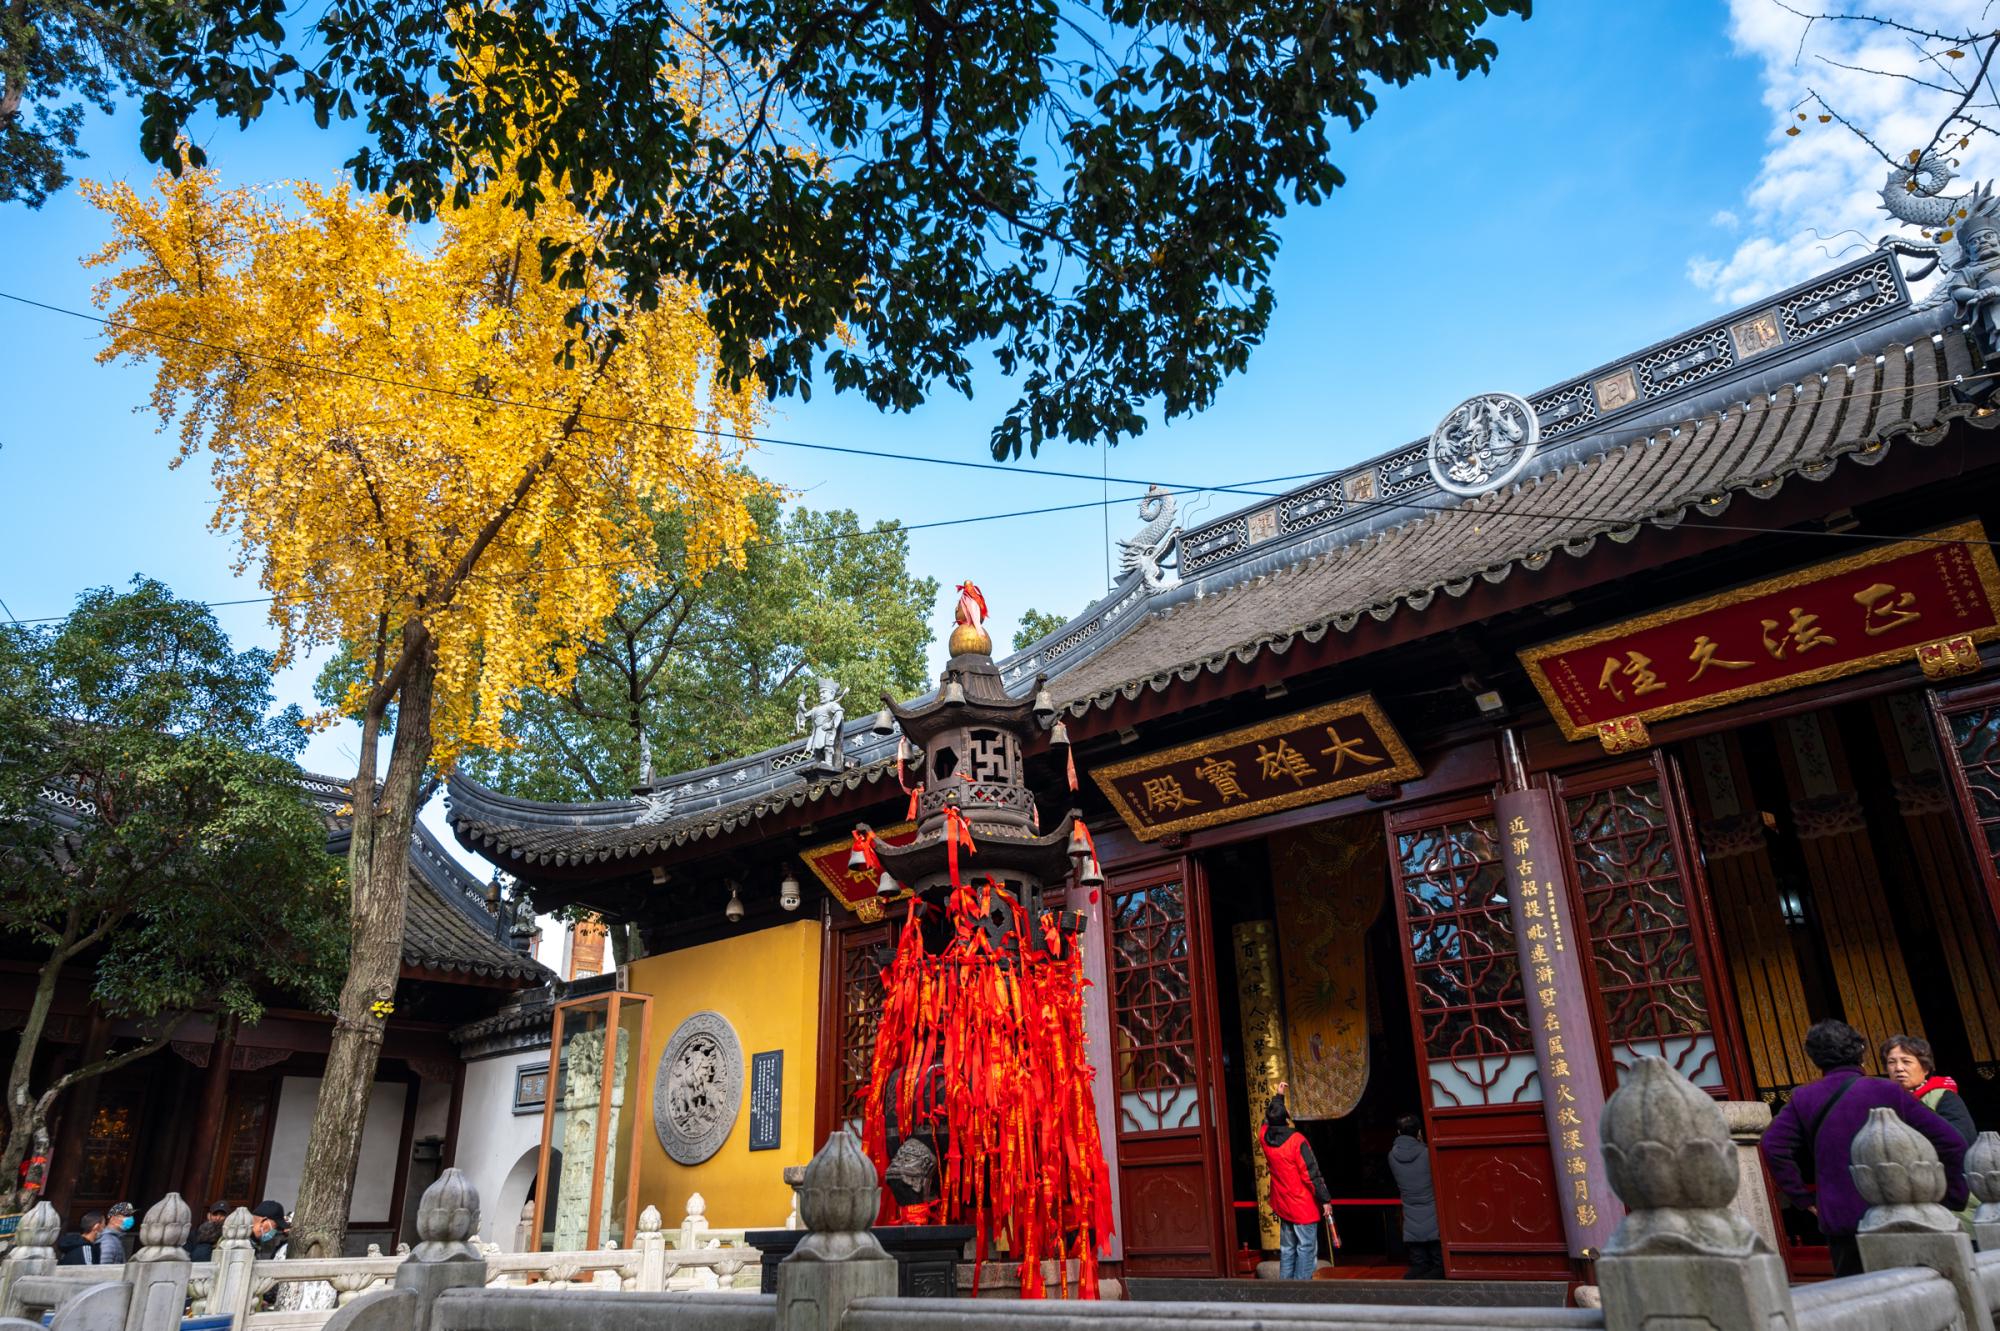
(1969, 729)
(1494, 1176)
(1648, 931)
(1165, 1074)
(851, 998)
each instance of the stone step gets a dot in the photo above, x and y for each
(1420, 1293)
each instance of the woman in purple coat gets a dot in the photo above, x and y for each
(1807, 1144)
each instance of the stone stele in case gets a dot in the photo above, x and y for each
(699, 1088)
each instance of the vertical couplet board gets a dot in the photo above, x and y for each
(1550, 949)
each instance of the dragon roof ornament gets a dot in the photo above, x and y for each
(1147, 551)
(1961, 240)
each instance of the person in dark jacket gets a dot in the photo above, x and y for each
(1816, 1129)
(79, 1246)
(1410, 1162)
(201, 1248)
(1908, 1061)
(1299, 1195)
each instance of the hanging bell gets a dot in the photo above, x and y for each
(1045, 706)
(856, 860)
(954, 694)
(1092, 875)
(1059, 734)
(888, 887)
(885, 724)
(1079, 844)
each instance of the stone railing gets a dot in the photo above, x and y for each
(297, 1293)
(1683, 1258)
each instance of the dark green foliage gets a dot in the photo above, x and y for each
(194, 869)
(56, 58)
(1035, 625)
(712, 671)
(1086, 192)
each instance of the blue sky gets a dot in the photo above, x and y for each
(1619, 176)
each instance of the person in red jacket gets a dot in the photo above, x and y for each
(1298, 1193)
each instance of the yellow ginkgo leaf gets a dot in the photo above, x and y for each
(1943, 236)
(1956, 54)
(1825, 120)
(1792, 130)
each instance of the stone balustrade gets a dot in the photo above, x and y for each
(1686, 1256)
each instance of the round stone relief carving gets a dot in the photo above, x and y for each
(1483, 443)
(699, 1088)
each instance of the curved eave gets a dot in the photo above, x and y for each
(510, 845)
(1046, 855)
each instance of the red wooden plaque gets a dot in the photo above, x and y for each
(856, 891)
(1819, 623)
(1299, 759)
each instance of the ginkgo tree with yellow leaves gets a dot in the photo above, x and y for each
(427, 471)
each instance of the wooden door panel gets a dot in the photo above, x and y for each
(1163, 1186)
(1654, 971)
(1968, 722)
(1164, 1074)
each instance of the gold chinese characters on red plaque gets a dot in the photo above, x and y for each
(1872, 609)
(1299, 759)
(855, 889)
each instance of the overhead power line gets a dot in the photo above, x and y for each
(1249, 488)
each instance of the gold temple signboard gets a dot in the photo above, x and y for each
(1885, 605)
(1299, 759)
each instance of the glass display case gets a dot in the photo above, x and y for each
(587, 1185)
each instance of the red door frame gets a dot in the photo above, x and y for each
(1162, 1173)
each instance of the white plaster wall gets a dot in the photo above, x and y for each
(497, 1148)
(381, 1133)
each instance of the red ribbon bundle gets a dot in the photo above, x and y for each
(864, 844)
(957, 832)
(1024, 1163)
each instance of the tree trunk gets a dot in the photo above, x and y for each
(378, 872)
(23, 1123)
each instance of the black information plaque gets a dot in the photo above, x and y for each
(767, 1093)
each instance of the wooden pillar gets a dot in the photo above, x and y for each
(214, 1104)
(66, 1145)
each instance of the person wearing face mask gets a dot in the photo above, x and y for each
(1908, 1061)
(267, 1229)
(118, 1224)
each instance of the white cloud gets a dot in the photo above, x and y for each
(1817, 195)
(1726, 219)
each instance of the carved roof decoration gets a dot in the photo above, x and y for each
(1835, 369)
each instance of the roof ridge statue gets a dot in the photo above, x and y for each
(1145, 552)
(1961, 238)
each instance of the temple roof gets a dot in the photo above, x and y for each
(1840, 370)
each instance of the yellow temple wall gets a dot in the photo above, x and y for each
(766, 985)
